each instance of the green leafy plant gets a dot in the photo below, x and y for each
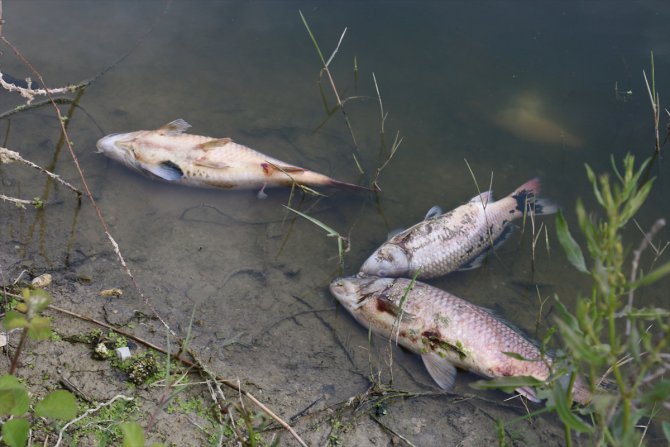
(607, 330)
(58, 405)
(607, 334)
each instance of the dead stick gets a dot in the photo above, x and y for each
(6, 154)
(190, 364)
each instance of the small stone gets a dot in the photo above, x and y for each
(41, 281)
(101, 352)
(115, 292)
(3, 339)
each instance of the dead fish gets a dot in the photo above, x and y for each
(447, 331)
(525, 119)
(172, 155)
(458, 240)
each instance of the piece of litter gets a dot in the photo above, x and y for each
(123, 353)
(3, 339)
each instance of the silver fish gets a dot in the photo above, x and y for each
(172, 155)
(445, 330)
(458, 240)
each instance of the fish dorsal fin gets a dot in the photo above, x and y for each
(166, 170)
(213, 144)
(440, 369)
(175, 127)
(486, 197)
(433, 213)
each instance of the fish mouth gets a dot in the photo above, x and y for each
(107, 143)
(345, 290)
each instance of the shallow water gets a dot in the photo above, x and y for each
(459, 82)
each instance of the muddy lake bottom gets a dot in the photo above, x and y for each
(300, 362)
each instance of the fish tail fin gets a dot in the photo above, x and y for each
(346, 185)
(527, 197)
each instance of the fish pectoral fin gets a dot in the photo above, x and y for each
(386, 305)
(433, 213)
(213, 144)
(440, 369)
(486, 197)
(529, 393)
(166, 170)
(175, 127)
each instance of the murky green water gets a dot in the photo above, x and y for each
(518, 90)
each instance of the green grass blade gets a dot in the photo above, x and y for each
(316, 45)
(330, 231)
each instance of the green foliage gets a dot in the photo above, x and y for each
(15, 432)
(26, 315)
(14, 401)
(133, 434)
(594, 335)
(572, 249)
(59, 404)
(14, 398)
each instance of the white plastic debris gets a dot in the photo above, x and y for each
(123, 353)
(3, 339)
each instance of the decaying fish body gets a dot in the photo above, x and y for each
(194, 160)
(457, 240)
(525, 118)
(445, 330)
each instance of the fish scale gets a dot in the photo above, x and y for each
(458, 239)
(445, 330)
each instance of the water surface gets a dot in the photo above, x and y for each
(459, 81)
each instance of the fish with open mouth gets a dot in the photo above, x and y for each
(446, 331)
(172, 155)
(458, 240)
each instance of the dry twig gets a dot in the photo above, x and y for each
(7, 156)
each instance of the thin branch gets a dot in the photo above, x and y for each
(7, 156)
(644, 243)
(19, 202)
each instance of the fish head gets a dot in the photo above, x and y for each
(388, 260)
(353, 291)
(119, 147)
